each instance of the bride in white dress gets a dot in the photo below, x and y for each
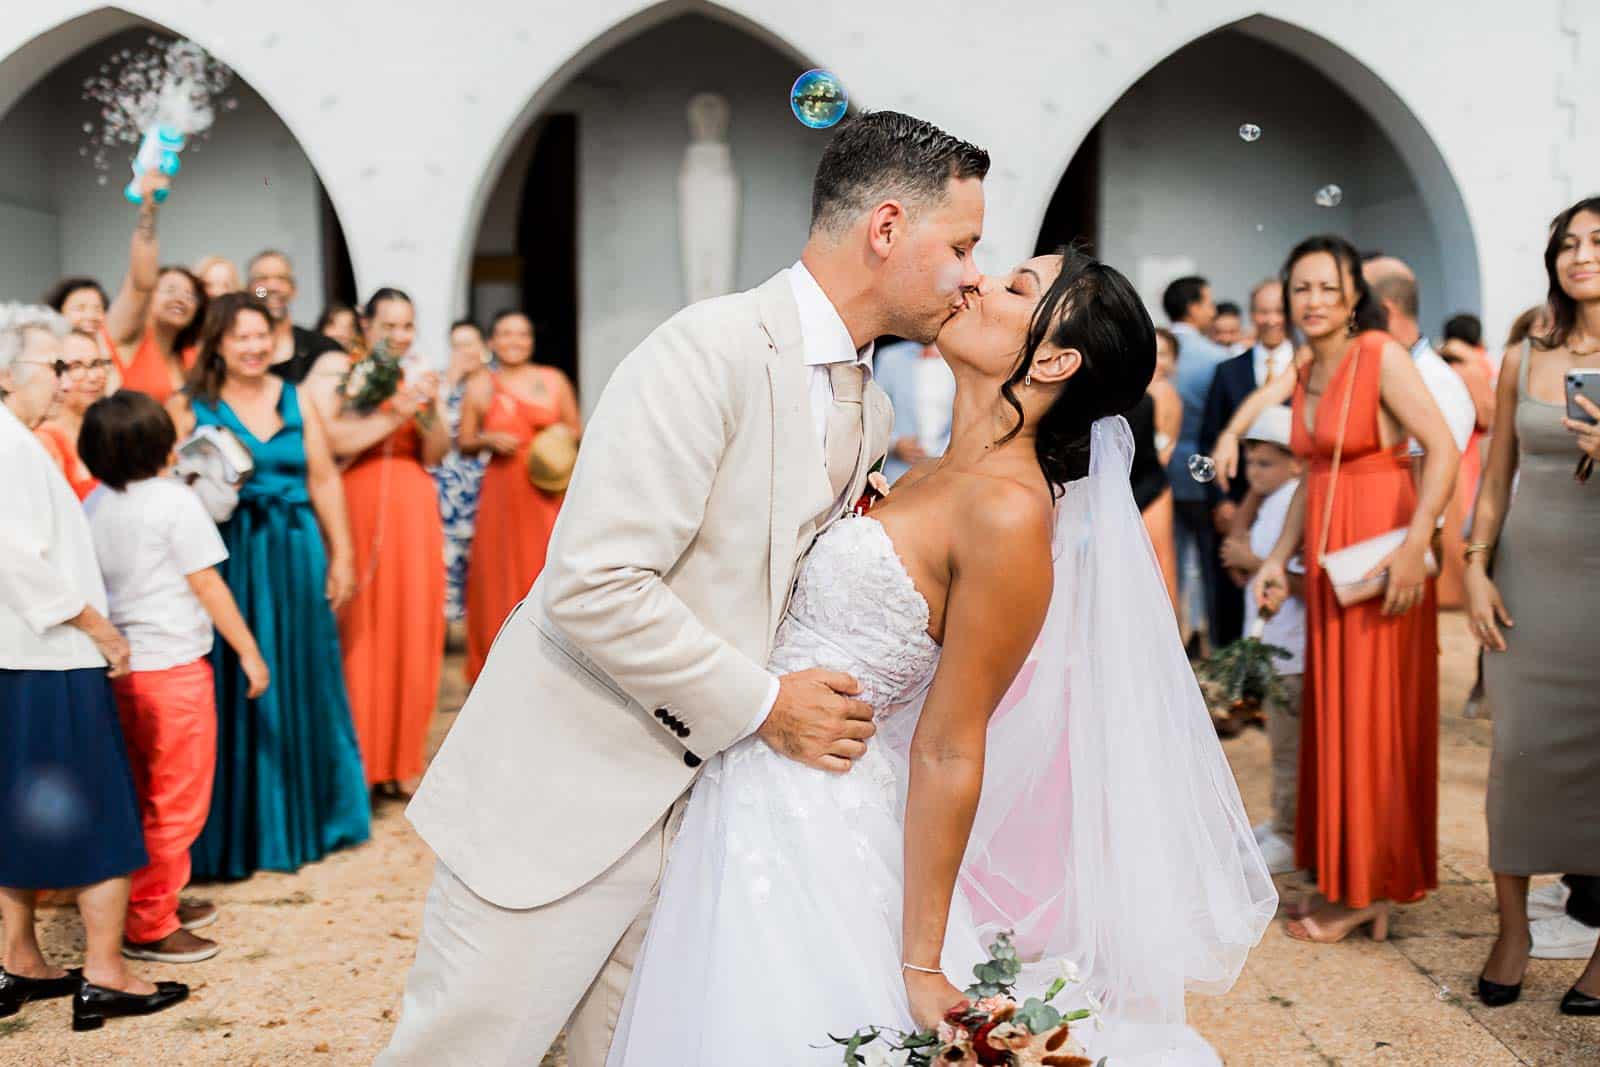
(1088, 809)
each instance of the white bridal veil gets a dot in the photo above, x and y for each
(1110, 831)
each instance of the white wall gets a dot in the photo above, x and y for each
(632, 133)
(245, 188)
(1177, 180)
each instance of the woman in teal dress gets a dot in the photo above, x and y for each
(289, 786)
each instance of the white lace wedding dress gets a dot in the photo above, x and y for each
(779, 914)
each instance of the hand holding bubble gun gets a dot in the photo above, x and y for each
(158, 153)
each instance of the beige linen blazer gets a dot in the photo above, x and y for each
(641, 650)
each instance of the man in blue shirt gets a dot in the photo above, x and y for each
(1189, 306)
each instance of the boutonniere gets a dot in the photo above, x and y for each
(877, 489)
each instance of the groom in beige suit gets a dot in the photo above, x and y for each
(719, 449)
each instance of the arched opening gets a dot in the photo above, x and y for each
(1164, 184)
(247, 186)
(580, 223)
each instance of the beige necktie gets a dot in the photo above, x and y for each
(843, 445)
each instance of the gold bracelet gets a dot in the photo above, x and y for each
(1473, 548)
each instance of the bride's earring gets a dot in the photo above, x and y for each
(1027, 380)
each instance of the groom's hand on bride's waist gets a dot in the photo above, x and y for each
(817, 721)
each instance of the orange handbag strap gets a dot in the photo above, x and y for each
(1338, 450)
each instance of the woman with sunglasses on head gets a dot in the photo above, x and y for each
(83, 381)
(1369, 756)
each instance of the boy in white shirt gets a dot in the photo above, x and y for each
(158, 550)
(1273, 472)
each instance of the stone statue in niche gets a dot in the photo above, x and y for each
(708, 201)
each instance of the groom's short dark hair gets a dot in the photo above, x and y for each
(884, 155)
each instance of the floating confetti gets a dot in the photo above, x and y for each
(1329, 196)
(818, 99)
(1249, 132)
(1201, 468)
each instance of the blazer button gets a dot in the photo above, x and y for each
(661, 713)
(681, 731)
(691, 760)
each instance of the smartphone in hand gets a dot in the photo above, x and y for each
(1582, 381)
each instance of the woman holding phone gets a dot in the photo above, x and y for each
(1541, 680)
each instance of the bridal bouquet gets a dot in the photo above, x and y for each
(989, 1027)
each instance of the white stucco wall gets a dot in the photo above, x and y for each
(408, 110)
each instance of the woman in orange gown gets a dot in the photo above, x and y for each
(156, 357)
(502, 413)
(1369, 753)
(391, 631)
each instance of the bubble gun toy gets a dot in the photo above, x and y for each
(158, 151)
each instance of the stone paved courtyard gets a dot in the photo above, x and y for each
(313, 963)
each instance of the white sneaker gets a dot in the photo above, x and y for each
(1262, 830)
(1279, 854)
(1563, 938)
(1548, 901)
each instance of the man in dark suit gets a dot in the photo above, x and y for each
(1236, 379)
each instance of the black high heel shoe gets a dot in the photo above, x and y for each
(1579, 1003)
(15, 990)
(95, 1004)
(1495, 995)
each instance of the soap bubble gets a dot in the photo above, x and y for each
(1329, 196)
(52, 804)
(230, 104)
(1259, 227)
(1249, 132)
(100, 180)
(818, 99)
(1201, 468)
(260, 292)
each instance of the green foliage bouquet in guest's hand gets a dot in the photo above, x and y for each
(989, 1027)
(1243, 675)
(371, 381)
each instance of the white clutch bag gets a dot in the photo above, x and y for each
(215, 464)
(1348, 567)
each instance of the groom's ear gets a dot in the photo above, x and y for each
(1052, 366)
(887, 225)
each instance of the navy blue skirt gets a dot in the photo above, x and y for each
(69, 815)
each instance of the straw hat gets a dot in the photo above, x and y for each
(552, 454)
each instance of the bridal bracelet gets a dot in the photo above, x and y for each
(920, 970)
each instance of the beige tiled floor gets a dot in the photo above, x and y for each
(314, 962)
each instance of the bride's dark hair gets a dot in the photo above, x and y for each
(1093, 308)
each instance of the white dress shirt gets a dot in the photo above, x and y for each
(1449, 392)
(826, 340)
(48, 572)
(1276, 360)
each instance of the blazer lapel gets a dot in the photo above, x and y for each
(799, 483)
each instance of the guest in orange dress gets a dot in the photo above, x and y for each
(82, 383)
(83, 302)
(1369, 754)
(392, 630)
(501, 414)
(156, 359)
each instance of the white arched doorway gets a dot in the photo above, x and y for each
(247, 186)
(576, 220)
(1164, 185)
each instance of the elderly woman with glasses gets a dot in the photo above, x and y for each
(69, 816)
(83, 381)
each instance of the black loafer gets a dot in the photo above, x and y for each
(1576, 1003)
(95, 1004)
(16, 990)
(1495, 995)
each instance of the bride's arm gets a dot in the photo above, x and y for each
(999, 591)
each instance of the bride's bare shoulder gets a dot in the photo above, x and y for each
(1002, 515)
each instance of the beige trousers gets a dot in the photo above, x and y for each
(495, 986)
(1283, 736)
